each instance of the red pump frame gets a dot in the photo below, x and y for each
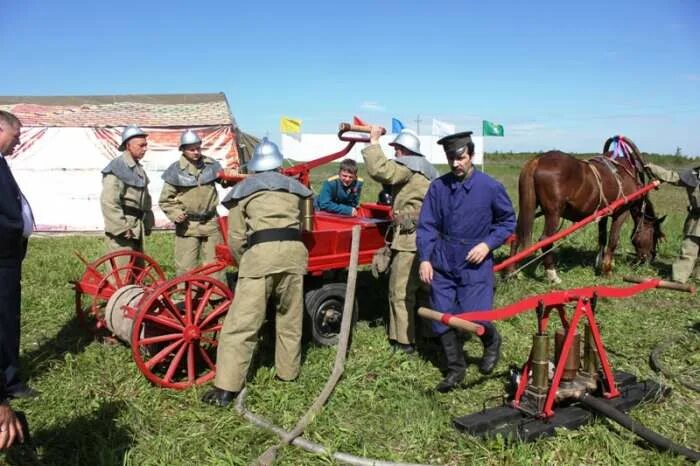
(557, 300)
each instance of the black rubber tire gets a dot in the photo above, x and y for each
(324, 307)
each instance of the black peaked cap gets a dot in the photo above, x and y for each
(456, 143)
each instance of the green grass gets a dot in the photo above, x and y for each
(95, 407)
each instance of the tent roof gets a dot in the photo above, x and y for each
(149, 110)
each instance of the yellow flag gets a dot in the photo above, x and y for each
(290, 125)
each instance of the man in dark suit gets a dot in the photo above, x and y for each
(16, 225)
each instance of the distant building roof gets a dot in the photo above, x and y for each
(183, 110)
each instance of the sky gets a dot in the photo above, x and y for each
(555, 74)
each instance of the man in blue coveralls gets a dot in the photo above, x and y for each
(466, 214)
(340, 194)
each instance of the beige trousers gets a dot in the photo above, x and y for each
(193, 251)
(239, 334)
(684, 265)
(119, 243)
(404, 285)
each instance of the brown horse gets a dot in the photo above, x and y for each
(566, 187)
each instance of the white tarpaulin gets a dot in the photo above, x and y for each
(304, 147)
(58, 170)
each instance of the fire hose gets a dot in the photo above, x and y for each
(293, 437)
(659, 441)
(306, 444)
(658, 366)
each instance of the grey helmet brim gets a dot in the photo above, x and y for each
(408, 140)
(189, 138)
(266, 156)
(130, 132)
(395, 145)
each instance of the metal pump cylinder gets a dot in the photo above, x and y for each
(590, 352)
(307, 214)
(540, 361)
(119, 318)
(573, 361)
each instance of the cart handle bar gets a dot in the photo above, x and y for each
(559, 298)
(452, 321)
(344, 128)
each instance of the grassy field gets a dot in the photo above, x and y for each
(95, 407)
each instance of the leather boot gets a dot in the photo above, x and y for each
(456, 364)
(21, 390)
(491, 340)
(407, 348)
(219, 397)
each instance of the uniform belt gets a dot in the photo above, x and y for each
(455, 239)
(133, 211)
(694, 210)
(202, 217)
(273, 234)
(406, 224)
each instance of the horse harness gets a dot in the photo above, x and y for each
(612, 166)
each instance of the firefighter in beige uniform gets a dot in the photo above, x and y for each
(409, 175)
(125, 201)
(265, 239)
(689, 179)
(189, 199)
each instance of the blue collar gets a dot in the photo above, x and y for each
(466, 184)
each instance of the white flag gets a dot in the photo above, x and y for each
(442, 128)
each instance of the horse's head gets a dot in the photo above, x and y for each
(647, 231)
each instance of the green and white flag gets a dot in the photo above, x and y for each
(492, 129)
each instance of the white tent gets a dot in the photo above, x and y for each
(66, 141)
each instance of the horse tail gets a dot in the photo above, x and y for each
(528, 202)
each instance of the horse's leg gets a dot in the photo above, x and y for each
(608, 261)
(602, 240)
(551, 222)
(514, 246)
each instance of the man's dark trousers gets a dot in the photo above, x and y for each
(13, 247)
(10, 291)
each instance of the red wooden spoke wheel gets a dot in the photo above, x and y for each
(175, 333)
(106, 275)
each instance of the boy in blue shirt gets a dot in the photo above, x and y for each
(340, 194)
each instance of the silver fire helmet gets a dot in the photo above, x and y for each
(408, 140)
(189, 137)
(267, 156)
(129, 132)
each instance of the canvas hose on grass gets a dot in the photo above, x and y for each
(294, 437)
